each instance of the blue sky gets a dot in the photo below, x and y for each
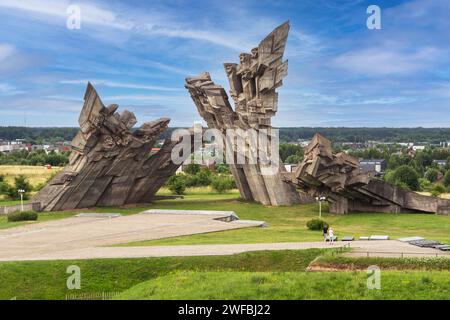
(137, 54)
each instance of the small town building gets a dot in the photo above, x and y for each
(373, 165)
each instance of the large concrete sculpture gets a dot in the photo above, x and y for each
(110, 165)
(339, 178)
(253, 85)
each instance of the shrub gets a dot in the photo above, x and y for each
(4, 186)
(203, 177)
(20, 182)
(22, 216)
(223, 168)
(222, 184)
(437, 190)
(177, 184)
(316, 224)
(424, 183)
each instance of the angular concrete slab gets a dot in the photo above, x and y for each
(409, 239)
(379, 237)
(213, 213)
(98, 215)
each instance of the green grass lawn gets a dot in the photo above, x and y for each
(42, 217)
(340, 262)
(10, 202)
(288, 224)
(47, 216)
(292, 285)
(251, 275)
(47, 279)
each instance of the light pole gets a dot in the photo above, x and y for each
(21, 192)
(320, 199)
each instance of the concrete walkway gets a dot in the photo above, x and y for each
(391, 248)
(92, 238)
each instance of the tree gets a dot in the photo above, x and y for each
(294, 158)
(288, 149)
(223, 168)
(204, 177)
(177, 184)
(432, 174)
(192, 168)
(4, 186)
(20, 182)
(447, 179)
(222, 184)
(405, 176)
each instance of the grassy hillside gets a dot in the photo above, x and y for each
(291, 285)
(47, 279)
(251, 275)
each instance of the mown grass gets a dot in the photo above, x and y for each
(292, 285)
(10, 202)
(47, 279)
(251, 275)
(340, 262)
(42, 217)
(288, 224)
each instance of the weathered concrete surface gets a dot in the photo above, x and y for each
(253, 84)
(347, 188)
(82, 237)
(389, 248)
(110, 165)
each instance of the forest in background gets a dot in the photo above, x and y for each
(422, 135)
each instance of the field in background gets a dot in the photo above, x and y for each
(35, 174)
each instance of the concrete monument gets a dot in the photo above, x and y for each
(110, 165)
(253, 84)
(339, 178)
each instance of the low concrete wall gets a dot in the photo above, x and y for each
(35, 206)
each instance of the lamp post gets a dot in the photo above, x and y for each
(320, 199)
(21, 192)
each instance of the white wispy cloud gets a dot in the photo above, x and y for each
(6, 50)
(383, 61)
(8, 90)
(115, 84)
(93, 14)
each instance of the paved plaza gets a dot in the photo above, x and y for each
(94, 236)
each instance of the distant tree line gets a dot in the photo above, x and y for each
(220, 180)
(34, 158)
(428, 135)
(38, 135)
